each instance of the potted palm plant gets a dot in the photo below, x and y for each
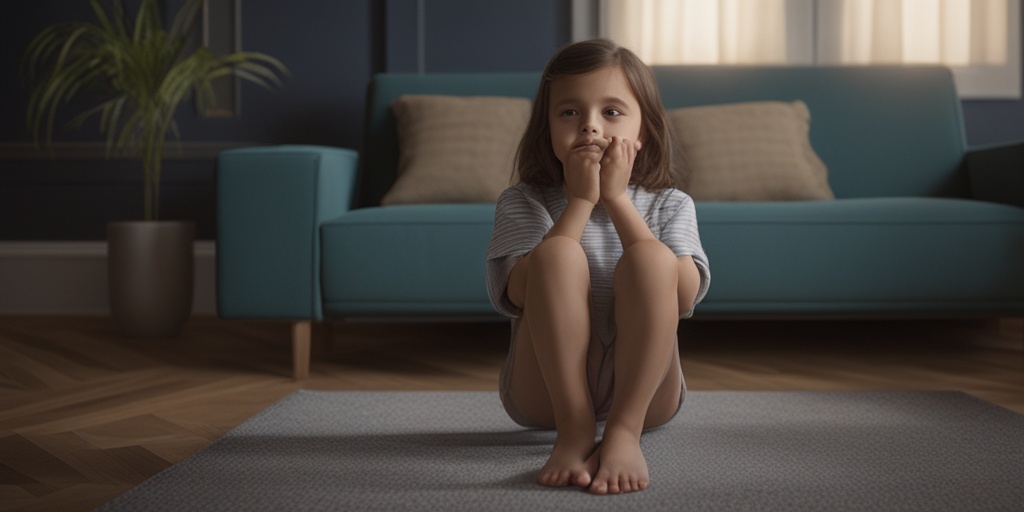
(140, 72)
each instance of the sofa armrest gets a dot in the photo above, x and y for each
(271, 202)
(997, 173)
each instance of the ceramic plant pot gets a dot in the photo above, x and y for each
(151, 271)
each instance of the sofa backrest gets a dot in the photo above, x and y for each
(882, 131)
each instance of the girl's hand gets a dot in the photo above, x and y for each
(582, 173)
(617, 167)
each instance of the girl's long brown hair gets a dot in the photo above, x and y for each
(536, 163)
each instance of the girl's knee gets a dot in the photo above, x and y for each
(559, 252)
(555, 262)
(648, 256)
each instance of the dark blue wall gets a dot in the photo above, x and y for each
(332, 48)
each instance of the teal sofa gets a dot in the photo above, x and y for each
(920, 225)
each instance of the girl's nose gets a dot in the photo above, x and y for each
(588, 128)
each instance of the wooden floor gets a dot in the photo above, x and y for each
(86, 414)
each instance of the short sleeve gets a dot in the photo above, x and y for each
(520, 222)
(679, 233)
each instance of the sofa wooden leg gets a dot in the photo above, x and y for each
(301, 336)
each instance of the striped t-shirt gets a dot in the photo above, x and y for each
(524, 215)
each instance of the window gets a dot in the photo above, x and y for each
(978, 39)
(714, 31)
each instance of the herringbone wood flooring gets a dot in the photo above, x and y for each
(86, 414)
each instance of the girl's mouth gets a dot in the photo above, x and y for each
(597, 144)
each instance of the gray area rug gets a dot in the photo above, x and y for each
(444, 451)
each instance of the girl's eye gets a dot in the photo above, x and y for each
(568, 112)
(613, 112)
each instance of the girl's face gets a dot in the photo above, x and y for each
(587, 110)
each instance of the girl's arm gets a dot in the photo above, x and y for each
(573, 220)
(582, 185)
(616, 168)
(689, 283)
(630, 226)
(520, 222)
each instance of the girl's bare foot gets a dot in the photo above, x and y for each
(621, 465)
(570, 463)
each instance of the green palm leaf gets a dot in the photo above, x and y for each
(139, 74)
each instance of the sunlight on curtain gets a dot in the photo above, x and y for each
(950, 32)
(978, 39)
(699, 31)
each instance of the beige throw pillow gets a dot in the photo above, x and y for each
(455, 149)
(757, 151)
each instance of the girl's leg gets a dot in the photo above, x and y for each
(549, 381)
(648, 380)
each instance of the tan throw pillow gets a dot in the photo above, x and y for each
(757, 151)
(455, 149)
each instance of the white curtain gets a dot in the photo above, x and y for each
(699, 31)
(950, 32)
(979, 39)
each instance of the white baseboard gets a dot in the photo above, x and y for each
(70, 278)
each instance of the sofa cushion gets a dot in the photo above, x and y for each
(455, 149)
(887, 255)
(414, 259)
(752, 151)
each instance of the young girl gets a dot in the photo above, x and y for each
(595, 257)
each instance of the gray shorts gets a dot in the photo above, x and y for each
(600, 380)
